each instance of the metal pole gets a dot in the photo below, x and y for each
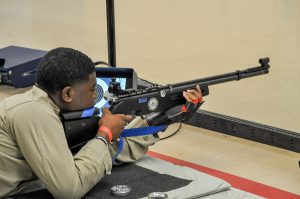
(111, 42)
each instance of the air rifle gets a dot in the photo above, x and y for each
(80, 126)
(161, 98)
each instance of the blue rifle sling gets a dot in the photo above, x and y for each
(138, 132)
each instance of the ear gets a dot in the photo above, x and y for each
(67, 94)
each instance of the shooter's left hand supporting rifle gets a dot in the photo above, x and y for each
(80, 126)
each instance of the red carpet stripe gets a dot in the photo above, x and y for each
(235, 181)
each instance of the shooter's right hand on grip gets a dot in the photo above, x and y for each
(114, 123)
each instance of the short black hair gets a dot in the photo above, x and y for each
(63, 67)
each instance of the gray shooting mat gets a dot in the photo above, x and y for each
(141, 180)
(201, 184)
(150, 175)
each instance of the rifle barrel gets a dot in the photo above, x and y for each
(204, 82)
(217, 79)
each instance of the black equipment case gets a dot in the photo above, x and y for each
(18, 65)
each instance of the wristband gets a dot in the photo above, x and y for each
(107, 131)
(102, 138)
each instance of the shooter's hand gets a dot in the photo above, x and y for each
(111, 125)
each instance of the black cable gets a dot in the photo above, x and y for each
(100, 63)
(174, 133)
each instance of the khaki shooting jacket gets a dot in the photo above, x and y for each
(33, 145)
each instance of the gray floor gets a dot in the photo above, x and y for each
(232, 194)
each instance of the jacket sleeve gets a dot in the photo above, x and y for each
(134, 148)
(41, 139)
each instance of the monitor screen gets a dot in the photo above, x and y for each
(102, 87)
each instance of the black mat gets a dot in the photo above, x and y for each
(142, 181)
